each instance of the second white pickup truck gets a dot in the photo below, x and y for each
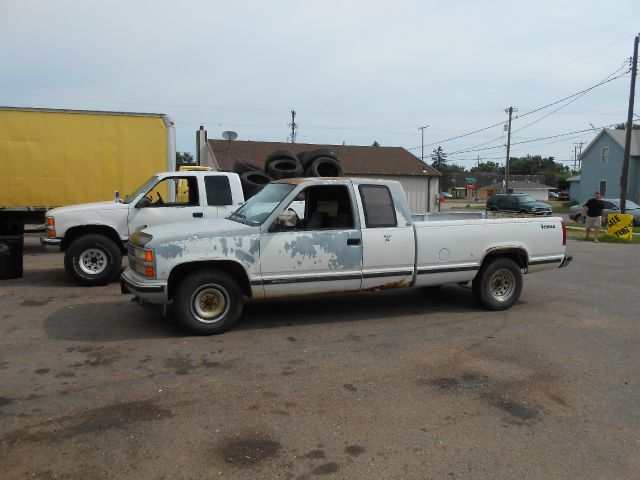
(354, 235)
(94, 235)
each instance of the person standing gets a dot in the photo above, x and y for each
(593, 219)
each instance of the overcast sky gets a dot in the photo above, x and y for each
(354, 71)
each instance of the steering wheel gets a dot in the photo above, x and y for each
(160, 201)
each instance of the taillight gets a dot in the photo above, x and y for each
(564, 233)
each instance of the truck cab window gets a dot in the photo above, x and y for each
(323, 207)
(378, 207)
(218, 190)
(174, 191)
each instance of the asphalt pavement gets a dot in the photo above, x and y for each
(406, 384)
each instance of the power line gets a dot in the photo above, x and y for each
(580, 93)
(532, 140)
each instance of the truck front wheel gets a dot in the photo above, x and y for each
(93, 260)
(498, 284)
(207, 302)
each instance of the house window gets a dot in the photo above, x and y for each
(604, 157)
(603, 188)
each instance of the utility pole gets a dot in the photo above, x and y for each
(422, 154)
(576, 155)
(627, 140)
(293, 126)
(506, 165)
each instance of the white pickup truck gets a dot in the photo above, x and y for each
(94, 235)
(354, 235)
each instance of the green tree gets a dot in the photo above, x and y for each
(623, 126)
(439, 162)
(439, 159)
(375, 144)
(487, 167)
(184, 158)
(553, 172)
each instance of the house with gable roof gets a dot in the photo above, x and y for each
(602, 166)
(420, 181)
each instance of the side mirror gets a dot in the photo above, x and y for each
(288, 219)
(143, 202)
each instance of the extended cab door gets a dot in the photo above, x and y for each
(172, 199)
(220, 199)
(322, 253)
(387, 238)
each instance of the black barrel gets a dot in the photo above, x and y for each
(11, 247)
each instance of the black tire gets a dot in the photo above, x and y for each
(93, 260)
(241, 166)
(207, 302)
(498, 284)
(278, 155)
(284, 168)
(324, 167)
(301, 156)
(253, 182)
(523, 212)
(310, 156)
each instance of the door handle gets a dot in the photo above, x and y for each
(198, 214)
(353, 241)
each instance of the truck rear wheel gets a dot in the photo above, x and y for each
(93, 260)
(498, 284)
(207, 302)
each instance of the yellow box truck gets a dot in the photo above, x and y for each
(51, 158)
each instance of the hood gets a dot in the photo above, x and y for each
(88, 207)
(182, 231)
(536, 204)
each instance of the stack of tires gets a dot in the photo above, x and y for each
(280, 164)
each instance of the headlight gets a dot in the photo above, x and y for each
(142, 261)
(143, 254)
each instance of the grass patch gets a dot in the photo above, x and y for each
(560, 206)
(580, 227)
(603, 237)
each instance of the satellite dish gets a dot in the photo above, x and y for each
(229, 135)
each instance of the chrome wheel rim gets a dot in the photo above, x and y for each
(93, 261)
(209, 303)
(502, 285)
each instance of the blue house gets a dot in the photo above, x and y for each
(602, 166)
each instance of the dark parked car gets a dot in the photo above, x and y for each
(518, 203)
(611, 205)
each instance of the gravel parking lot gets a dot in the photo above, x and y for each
(394, 385)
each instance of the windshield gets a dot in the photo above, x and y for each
(631, 205)
(259, 207)
(525, 199)
(129, 197)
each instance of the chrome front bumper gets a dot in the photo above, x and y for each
(50, 242)
(150, 291)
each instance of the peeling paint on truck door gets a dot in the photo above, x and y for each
(321, 254)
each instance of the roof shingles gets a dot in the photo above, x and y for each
(354, 159)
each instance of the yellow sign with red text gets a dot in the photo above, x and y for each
(620, 225)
